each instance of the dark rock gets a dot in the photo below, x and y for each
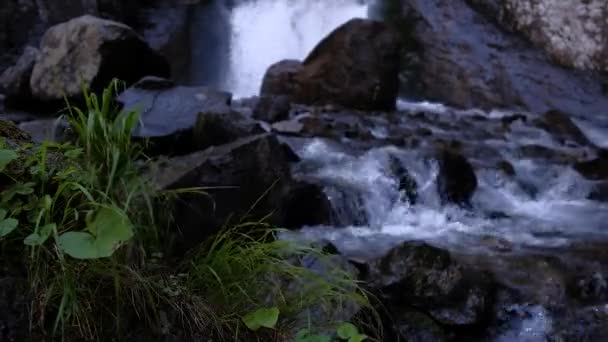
(272, 108)
(599, 192)
(561, 127)
(356, 66)
(590, 288)
(246, 180)
(92, 50)
(407, 184)
(596, 169)
(15, 81)
(426, 277)
(169, 115)
(279, 79)
(415, 326)
(55, 130)
(221, 126)
(167, 30)
(545, 153)
(506, 167)
(456, 181)
(586, 324)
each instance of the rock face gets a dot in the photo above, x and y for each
(468, 61)
(15, 81)
(179, 120)
(238, 175)
(572, 33)
(92, 50)
(356, 66)
(425, 277)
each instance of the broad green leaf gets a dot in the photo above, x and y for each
(266, 318)
(348, 331)
(17, 189)
(6, 156)
(39, 238)
(104, 234)
(7, 226)
(79, 245)
(2, 214)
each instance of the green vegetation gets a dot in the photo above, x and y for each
(79, 218)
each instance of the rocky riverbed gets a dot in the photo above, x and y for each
(456, 153)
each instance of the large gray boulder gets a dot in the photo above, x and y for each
(92, 50)
(466, 60)
(245, 181)
(418, 275)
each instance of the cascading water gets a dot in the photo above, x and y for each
(267, 31)
(545, 205)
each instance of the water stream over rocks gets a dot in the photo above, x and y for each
(518, 193)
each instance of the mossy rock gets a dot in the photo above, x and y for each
(13, 135)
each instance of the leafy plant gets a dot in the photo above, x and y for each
(262, 318)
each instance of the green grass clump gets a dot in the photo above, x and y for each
(246, 267)
(80, 217)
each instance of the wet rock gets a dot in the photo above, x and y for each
(587, 324)
(427, 278)
(252, 170)
(456, 181)
(221, 126)
(356, 67)
(15, 81)
(599, 192)
(506, 167)
(591, 287)
(545, 153)
(407, 184)
(55, 130)
(561, 127)
(415, 326)
(272, 108)
(279, 79)
(596, 169)
(92, 50)
(169, 114)
(469, 61)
